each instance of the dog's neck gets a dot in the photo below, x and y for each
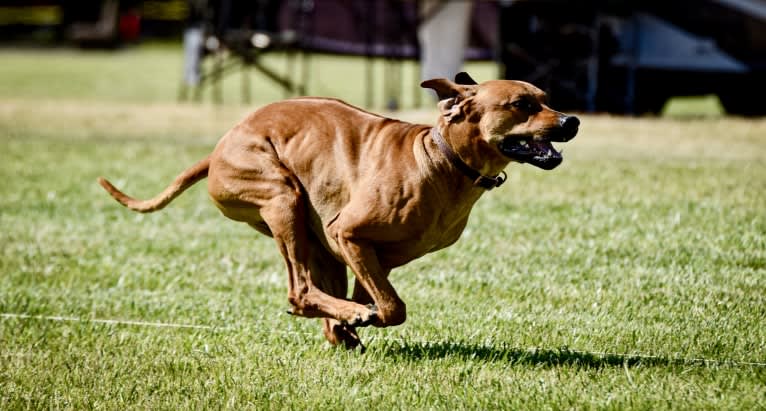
(465, 138)
(484, 181)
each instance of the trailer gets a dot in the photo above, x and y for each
(632, 56)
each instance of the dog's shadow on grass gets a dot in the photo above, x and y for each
(536, 357)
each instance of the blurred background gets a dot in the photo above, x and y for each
(614, 56)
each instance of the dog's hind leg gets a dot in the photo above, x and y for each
(252, 185)
(285, 214)
(329, 275)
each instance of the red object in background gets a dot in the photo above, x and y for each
(130, 26)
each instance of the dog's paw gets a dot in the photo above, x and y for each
(342, 335)
(348, 337)
(364, 320)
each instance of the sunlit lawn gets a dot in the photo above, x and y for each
(631, 277)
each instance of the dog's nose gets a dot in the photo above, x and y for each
(569, 127)
(570, 122)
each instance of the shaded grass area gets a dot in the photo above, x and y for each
(153, 73)
(631, 277)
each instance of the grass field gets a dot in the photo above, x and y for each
(631, 277)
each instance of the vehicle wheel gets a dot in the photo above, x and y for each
(742, 96)
(741, 104)
(649, 104)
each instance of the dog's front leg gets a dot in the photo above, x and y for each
(360, 295)
(310, 277)
(363, 261)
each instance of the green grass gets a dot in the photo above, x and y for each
(152, 74)
(708, 105)
(631, 277)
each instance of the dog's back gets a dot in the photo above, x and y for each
(331, 147)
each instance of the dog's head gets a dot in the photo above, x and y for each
(509, 118)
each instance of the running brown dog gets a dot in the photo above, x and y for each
(336, 186)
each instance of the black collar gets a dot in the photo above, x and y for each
(488, 183)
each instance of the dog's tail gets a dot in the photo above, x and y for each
(184, 180)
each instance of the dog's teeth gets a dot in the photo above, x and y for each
(523, 142)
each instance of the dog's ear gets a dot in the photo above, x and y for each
(450, 95)
(444, 88)
(464, 78)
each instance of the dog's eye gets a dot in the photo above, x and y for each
(522, 105)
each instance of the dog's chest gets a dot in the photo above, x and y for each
(447, 231)
(440, 234)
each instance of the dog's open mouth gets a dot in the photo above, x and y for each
(539, 153)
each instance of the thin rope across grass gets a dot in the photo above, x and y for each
(111, 321)
(559, 356)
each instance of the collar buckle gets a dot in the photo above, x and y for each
(488, 183)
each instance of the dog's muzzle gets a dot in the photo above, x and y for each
(538, 151)
(569, 125)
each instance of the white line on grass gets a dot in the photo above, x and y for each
(533, 350)
(113, 322)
